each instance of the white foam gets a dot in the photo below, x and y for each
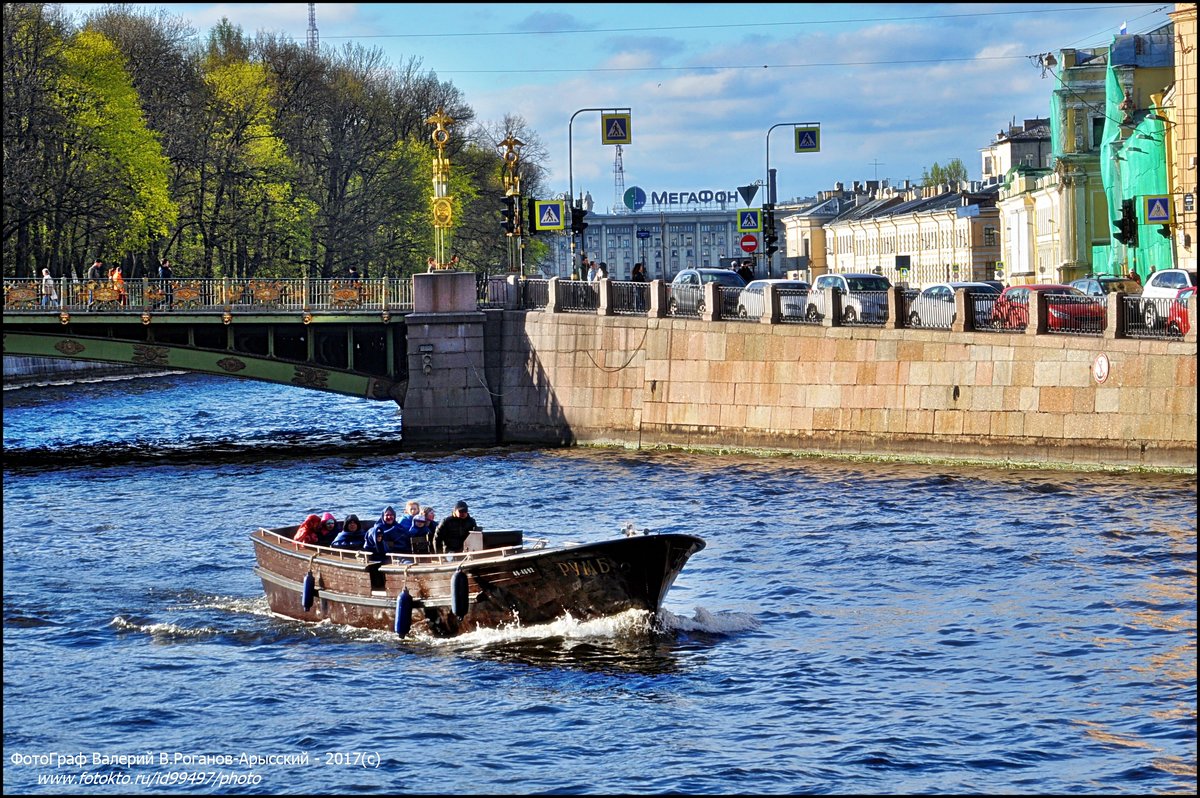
(705, 621)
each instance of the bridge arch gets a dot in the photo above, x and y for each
(354, 356)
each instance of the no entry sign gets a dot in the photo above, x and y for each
(749, 242)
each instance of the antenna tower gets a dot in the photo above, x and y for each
(313, 38)
(618, 182)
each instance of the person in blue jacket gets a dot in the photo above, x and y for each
(387, 536)
(352, 536)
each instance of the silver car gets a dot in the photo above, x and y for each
(685, 294)
(934, 306)
(792, 302)
(864, 297)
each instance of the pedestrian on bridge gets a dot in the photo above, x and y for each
(95, 274)
(118, 281)
(164, 276)
(49, 292)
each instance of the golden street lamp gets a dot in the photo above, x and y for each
(442, 203)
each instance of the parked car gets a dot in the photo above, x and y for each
(1103, 285)
(1068, 308)
(1165, 284)
(934, 306)
(1177, 315)
(686, 292)
(864, 297)
(750, 303)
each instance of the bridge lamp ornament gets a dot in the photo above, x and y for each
(512, 188)
(442, 203)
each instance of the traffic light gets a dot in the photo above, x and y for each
(770, 237)
(530, 227)
(1127, 225)
(509, 219)
(577, 222)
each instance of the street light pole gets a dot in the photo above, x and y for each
(571, 166)
(771, 186)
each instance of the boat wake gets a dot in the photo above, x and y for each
(709, 622)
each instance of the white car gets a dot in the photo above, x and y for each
(864, 297)
(791, 303)
(1160, 287)
(934, 306)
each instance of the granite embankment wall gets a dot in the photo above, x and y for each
(847, 390)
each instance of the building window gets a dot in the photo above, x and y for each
(989, 237)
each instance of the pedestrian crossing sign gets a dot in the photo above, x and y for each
(750, 220)
(808, 139)
(1158, 209)
(615, 128)
(549, 215)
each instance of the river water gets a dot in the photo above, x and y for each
(850, 628)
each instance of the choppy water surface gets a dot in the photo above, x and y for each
(850, 628)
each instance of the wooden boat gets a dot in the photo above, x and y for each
(499, 579)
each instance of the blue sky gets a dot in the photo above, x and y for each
(895, 87)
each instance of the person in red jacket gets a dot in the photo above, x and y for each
(309, 531)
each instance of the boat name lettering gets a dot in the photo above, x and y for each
(523, 571)
(588, 567)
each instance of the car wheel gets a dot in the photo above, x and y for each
(914, 320)
(811, 314)
(700, 308)
(742, 314)
(1150, 315)
(672, 308)
(997, 322)
(1173, 328)
(849, 315)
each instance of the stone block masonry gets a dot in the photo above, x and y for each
(852, 391)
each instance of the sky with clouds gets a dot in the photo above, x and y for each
(894, 87)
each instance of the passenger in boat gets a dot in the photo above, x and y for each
(310, 530)
(452, 532)
(419, 532)
(412, 508)
(387, 536)
(352, 535)
(329, 529)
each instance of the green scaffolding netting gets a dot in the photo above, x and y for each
(1133, 165)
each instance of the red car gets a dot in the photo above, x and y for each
(1177, 314)
(1067, 309)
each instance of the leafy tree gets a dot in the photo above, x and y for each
(953, 172)
(33, 43)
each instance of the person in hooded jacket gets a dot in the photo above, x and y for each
(329, 529)
(387, 536)
(309, 531)
(352, 536)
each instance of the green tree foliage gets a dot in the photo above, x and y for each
(128, 138)
(953, 172)
(118, 173)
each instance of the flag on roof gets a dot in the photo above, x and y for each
(1124, 27)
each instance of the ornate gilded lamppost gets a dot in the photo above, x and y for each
(443, 207)
(512, 194)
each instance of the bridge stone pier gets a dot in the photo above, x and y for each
(448, 399)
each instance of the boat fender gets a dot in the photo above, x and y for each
(459, 600)
(309, 591)
(404, 605)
